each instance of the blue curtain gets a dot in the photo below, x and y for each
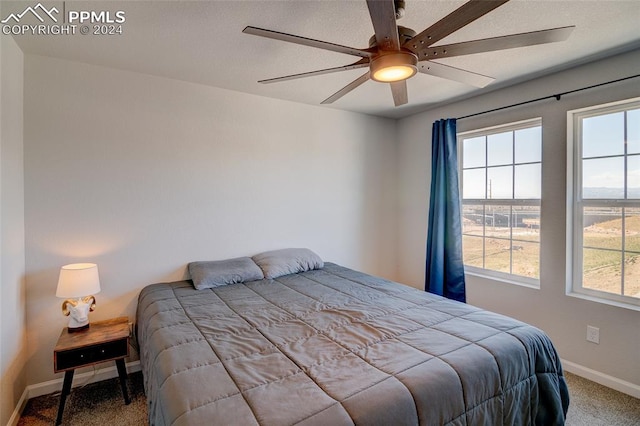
(445, 269)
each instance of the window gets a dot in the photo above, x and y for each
(604, 201)
(501, 186)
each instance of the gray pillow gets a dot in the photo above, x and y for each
(222, 272)
(287, 261)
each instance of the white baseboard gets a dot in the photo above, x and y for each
(55, 385)
(82, 379)
(601, 378)
(22, 402)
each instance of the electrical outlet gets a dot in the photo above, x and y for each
(593, 334)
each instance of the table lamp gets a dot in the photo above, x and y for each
(78, 283)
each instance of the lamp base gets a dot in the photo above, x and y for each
(78, 312)
(76, 329)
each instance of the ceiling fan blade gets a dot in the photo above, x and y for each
(499, 43)
(383, 17)
(346, 89)
(455, 74)
(457, 19)
(307, 42)
(399, 92)
(360, 64)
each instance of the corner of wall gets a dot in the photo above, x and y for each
(13, 342)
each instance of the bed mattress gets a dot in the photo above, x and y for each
(338, 347)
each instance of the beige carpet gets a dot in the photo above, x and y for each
(97, 404)
(101, 404)
(595, 405)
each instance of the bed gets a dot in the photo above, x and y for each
(327, 345)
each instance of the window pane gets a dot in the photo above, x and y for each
(528, 145)
(473, 184)
(472, 219)
(603, 135)
(526, 223)
(632, 231)
(632, 255)
(497, 255)
(500, 182)
(500, 149)
(472, 251)
(527, 181)
(602, 270)
(633, 131)
(603, 178)
(526, 259)
(602, 227)
(632, 275)
(498, 221)
(473, 152)
(633, 177)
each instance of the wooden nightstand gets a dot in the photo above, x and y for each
(102, 341)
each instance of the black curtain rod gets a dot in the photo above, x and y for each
(556, 97)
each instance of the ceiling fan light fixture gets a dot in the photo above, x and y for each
(392, 67)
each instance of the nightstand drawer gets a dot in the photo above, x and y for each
(75, 358)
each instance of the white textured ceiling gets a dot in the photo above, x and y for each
(202, 42)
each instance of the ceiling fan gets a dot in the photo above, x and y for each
(396, 53)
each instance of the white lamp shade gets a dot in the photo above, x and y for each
(78, 280)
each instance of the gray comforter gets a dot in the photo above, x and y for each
(339, 347)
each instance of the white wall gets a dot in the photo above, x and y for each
(142, 175)
(12, 247)
(564, 318)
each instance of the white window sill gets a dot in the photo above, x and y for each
(597, 299)
(504, 278)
